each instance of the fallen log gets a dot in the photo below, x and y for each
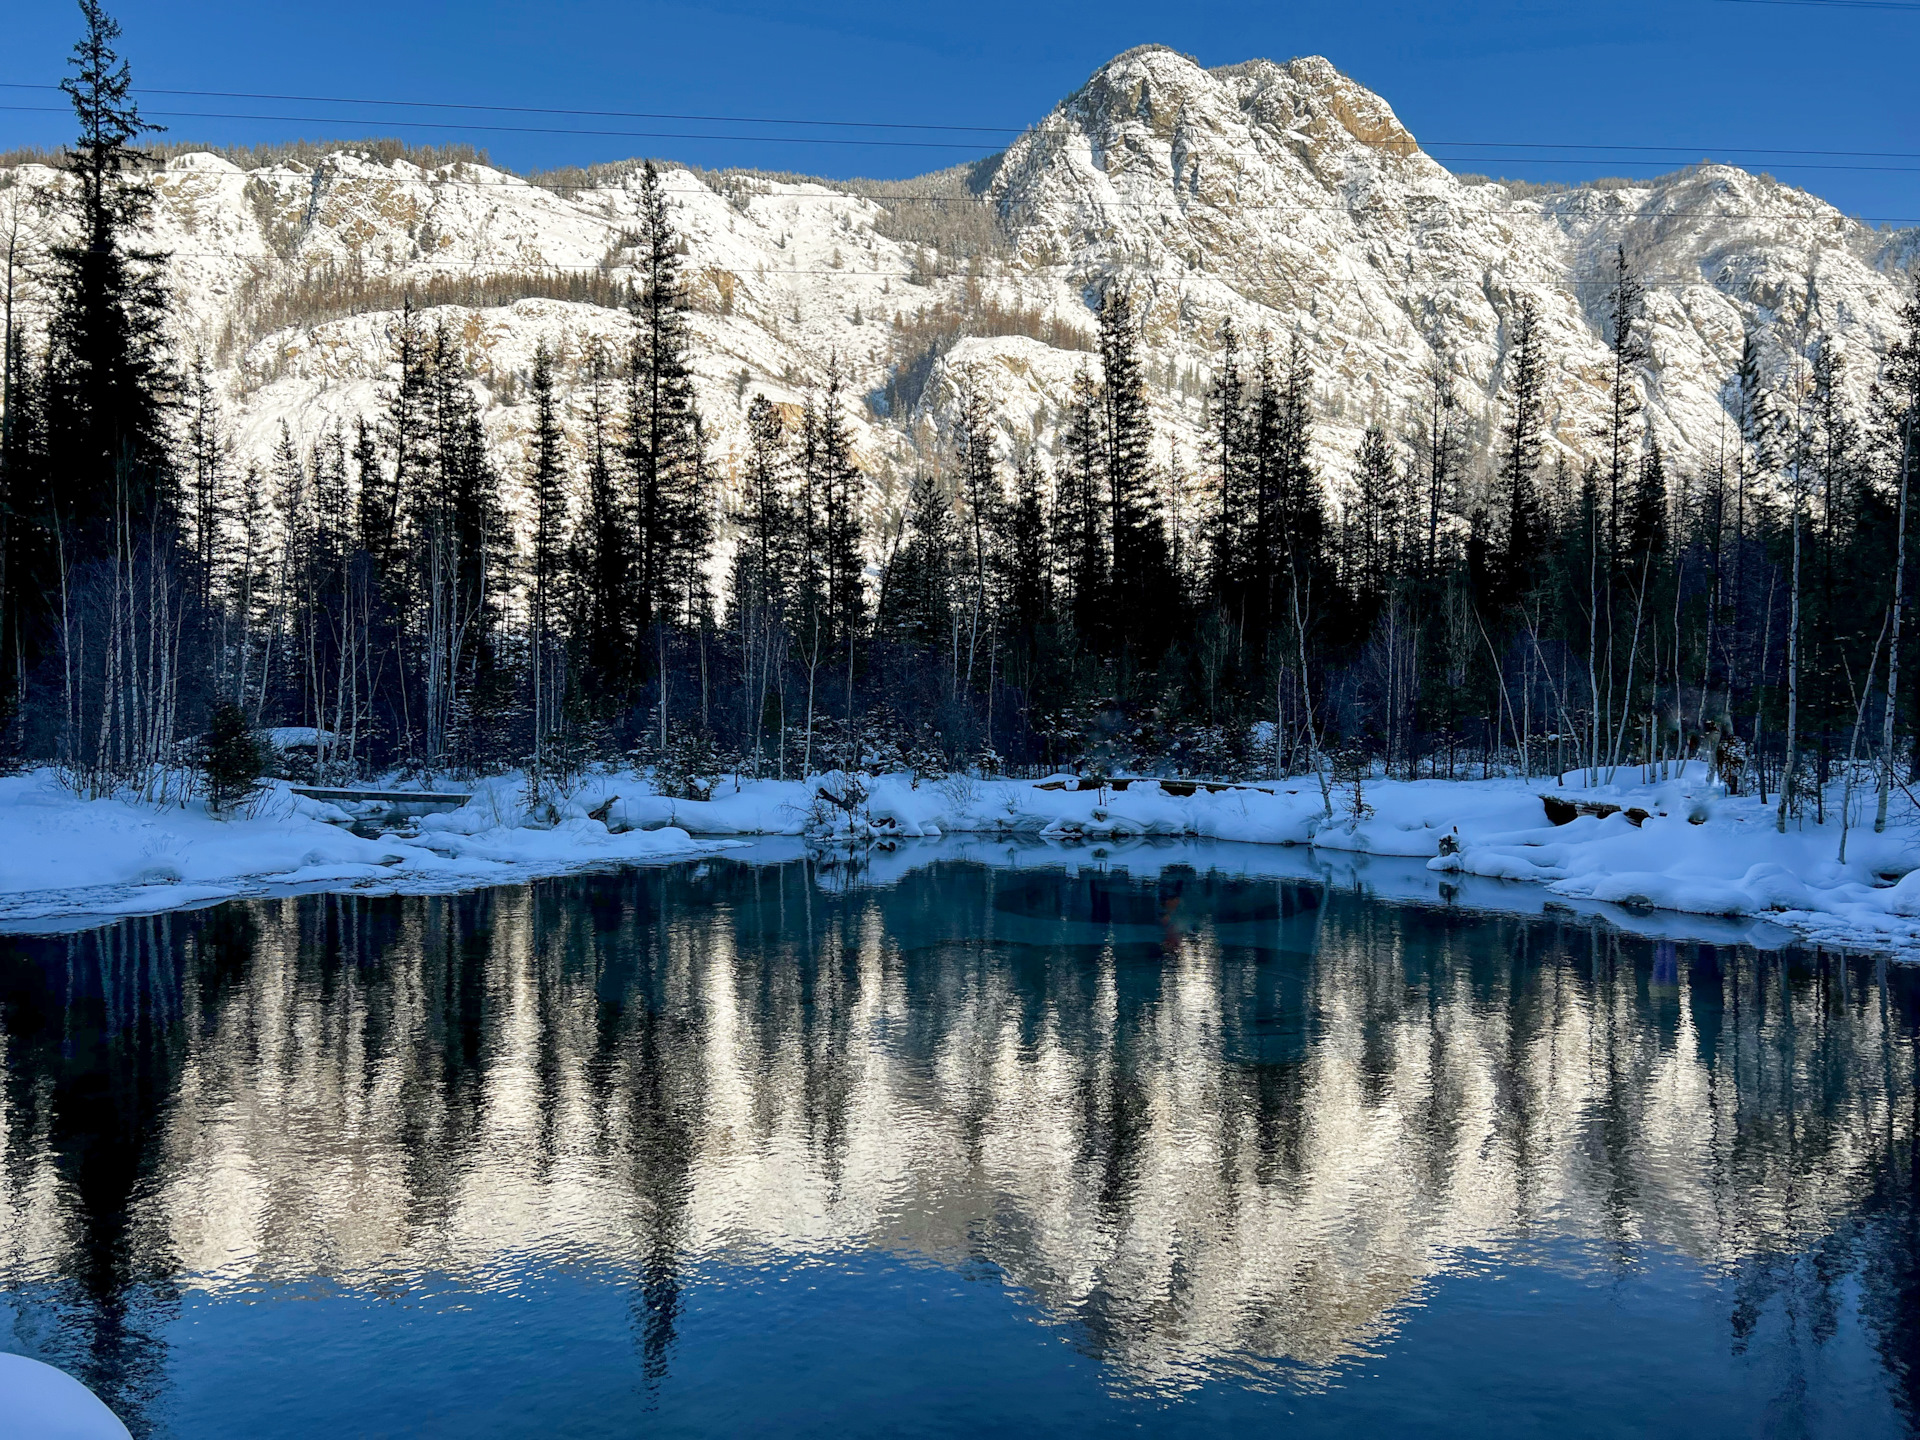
(385, 797)
(1181, 789)
(1562, 811)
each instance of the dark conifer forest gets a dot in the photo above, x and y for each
(1426, 606)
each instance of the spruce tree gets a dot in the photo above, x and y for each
(388, 497)
(840, 489)
(231, 759)
(1081, 533)
(547, 485)
(664, 448)
(1145, 614)
(28, 568)
(763, 579)
(1522, 538)
(764, 520)
(1646, 518)
(919, 585)
(209, 501)
(1438, 447)
(112, 379)
(1896, 397)
(1627, 347)
(1305, 581)
(601, 566)
(1227, 460)
(1027, 551)
(1373, 519)
(981, 501)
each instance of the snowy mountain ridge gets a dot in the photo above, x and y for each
(1283, 197)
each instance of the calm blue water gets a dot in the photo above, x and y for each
(1061, 1145)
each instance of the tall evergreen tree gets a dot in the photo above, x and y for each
(1439, 449)
(664, 448)
(112, 377)
(981, 501)
(1523, 530)
(1081, 532)
(27, 563)
(208, 501)
(1141, 579)
(1896, 397)
(1373, 520)
(1627, 349)
(1027, 552)
(763, 579)
(839, 487)
(1226, 455)
(919, 589)
(387, 496)
(601, 565)
(546, 546)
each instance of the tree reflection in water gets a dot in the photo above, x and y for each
(1216, 1126)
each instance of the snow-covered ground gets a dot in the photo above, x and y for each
(38, 1402)
(1695, 852)
(61, 856)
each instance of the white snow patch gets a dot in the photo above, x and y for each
(1696, 852)
(38, 1402)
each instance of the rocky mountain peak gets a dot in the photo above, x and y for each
(1285, 198)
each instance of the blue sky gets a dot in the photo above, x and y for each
(1741, 80)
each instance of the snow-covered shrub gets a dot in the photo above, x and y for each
(1351, 768)
(961, 790)
(686, 769)
(838, 806)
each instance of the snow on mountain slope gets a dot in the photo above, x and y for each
(1282, 197)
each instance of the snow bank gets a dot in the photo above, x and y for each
(1693, 850)
(60, 855)
(38, 1402)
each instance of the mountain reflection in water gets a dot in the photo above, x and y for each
(1218, 1129)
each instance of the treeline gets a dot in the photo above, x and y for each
(1417, 610)
(331, 292)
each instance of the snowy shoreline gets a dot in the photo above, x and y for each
(1699, 863)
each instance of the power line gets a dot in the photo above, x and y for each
(1603, 160)
(1666, 149)
(468, 128)
(1424, 145)
(1833, 4)
(544, 110)
(1443, 160)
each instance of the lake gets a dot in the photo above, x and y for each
(1037, 1142)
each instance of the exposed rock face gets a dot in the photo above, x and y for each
(1281, 197)
(1286, 196)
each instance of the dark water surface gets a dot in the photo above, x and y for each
(1050, 1148)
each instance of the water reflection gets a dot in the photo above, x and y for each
(1213, 1124)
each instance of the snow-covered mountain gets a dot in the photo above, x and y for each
(1283, 197)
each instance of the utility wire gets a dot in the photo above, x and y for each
(469, 128)
(1443, 160)
(1425, 145)
(1667, 149)
(544, 110)
(1833, 4)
